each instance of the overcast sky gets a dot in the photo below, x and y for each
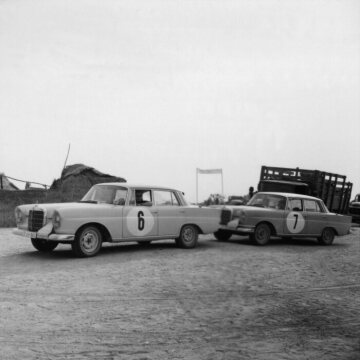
(151, 90)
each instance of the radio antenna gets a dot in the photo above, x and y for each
(67, 155)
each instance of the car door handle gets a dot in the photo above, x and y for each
(182, 211)
(154, 212)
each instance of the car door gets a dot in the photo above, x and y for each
(171, 214)
(316, 219)
(295, 218)
(140, 216)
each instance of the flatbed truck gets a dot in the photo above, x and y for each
(332, 188)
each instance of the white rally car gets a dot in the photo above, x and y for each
(116, 212)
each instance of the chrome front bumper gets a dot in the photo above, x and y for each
(245, 229)
(44, 235)
(234, 226)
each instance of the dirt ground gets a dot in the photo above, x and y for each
(288, 300)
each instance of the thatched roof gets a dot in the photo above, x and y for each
(77, 169)
(82, 176)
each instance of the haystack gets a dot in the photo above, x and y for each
(77, 179)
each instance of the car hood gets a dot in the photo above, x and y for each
(78, 207)
(249, 209)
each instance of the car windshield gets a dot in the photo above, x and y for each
(269, 201)
(106, 194)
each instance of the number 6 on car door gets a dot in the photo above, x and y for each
(140, 222)
(295, 222)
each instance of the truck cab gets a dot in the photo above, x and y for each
(354, 209)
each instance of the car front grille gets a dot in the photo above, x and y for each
(225, 216)
(36, 220)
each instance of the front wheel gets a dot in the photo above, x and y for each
(222, 235)
(188, 237)
(327, 237)
(88, 242)
(44, 245)
(261, 235)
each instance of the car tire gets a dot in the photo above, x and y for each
(327, 237)
(188, 238)
(222, 235)
(44, 245)
(87, 242)
(261, 235)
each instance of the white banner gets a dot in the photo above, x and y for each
(209, 171)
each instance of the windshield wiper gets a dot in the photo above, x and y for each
(88, 201)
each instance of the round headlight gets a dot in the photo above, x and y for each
(56, 220)
(236, 213)
(240, 214)
(19, 216)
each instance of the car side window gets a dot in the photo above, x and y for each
(175, 200)
(165, 198)
(140, 198)
(276, 202)
(295, 205)
(311, 206)
(120, 197)
(319, 208)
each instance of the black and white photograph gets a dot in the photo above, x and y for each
(180, 179)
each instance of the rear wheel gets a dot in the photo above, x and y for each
(44, 245)
(222, 235)
(188, 237)
(327, 237)
(88, 242)
(261, 235)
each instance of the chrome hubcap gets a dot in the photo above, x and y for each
(89, 241)
(327, 235)
(188, 235)
(262, 234)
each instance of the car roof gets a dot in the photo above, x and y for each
(302, 196)
(138, 186)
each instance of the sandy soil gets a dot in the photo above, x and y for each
(288, 300)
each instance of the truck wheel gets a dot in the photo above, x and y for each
(43, 245)
(222, 235)
(261, 235)
(188, 237)
(88, 242)
(327, 236)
